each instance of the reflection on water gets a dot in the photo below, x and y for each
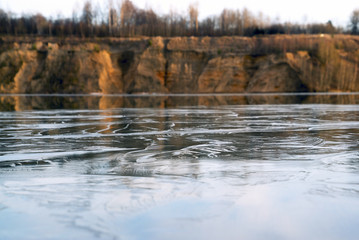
(221, 171)
(39, 102)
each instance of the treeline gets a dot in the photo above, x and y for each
(127, 20)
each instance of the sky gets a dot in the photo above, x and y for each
(300, 11)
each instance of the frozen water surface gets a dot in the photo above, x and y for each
(277, 171)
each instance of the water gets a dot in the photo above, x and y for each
(80, 167)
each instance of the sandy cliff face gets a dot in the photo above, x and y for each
(180, 65)
(223, 74)
(54, 71)
(274, 74)
(149, 72)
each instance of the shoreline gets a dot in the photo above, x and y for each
(176, 94)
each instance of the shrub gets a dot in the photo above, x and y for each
(96, 48)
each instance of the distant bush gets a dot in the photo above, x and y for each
(96, 48)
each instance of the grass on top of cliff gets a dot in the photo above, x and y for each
(269, 41)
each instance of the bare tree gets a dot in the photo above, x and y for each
(4, 22)
(208, 26)
(41, 23)
(87, 17)
(223, 19)
(127, 17)
(87, 13)
(354, 22)
(246, 18)
(193, 16)
(112, 19)
(152, 23)
(229, 22)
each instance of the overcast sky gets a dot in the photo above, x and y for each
(299, 11)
